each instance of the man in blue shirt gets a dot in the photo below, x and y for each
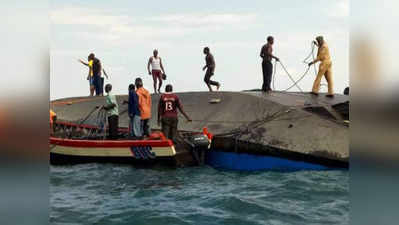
(134, 113)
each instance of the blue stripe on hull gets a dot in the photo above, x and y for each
(246, 162)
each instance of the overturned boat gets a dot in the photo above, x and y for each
(78, 143)
(252, 130)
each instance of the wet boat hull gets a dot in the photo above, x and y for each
(250, 162)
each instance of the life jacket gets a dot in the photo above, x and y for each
(144, 103)
(52, 115)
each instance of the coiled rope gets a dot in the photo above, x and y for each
(295, 83)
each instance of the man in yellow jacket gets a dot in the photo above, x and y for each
(323, 56)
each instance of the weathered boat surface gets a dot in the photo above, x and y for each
(297, 126)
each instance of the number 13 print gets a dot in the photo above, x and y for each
(168, 106)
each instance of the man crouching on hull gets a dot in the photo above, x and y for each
(167, 113)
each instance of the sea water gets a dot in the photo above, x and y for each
(122, 194)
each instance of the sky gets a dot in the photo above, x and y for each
(123, 35)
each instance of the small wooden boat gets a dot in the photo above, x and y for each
(78, 143)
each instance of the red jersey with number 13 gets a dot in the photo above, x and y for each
(168, 105)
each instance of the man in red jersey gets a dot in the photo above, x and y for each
(167, 112)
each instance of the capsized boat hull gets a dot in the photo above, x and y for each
(251, 162)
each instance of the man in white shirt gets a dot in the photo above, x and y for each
(157, 70)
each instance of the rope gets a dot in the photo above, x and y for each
(274, 73)
(314, 64)
(311, 53)
(253, 124)
(70, 102)
(313, 57)
(101, 121)
(88, 115)
(220, 121)
(295, 82)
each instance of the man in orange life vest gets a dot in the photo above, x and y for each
(167, 113)
(144, 106)
(53, 118)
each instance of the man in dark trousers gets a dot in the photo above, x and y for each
(134, 113)
(97, 76)
(210, 69)
(267, 66)
(167, 113)
(112, 109)
(94, 76)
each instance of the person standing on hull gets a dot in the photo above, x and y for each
(94, 76)
(210, 69)
(90, 77)
(266, 53)
(134, 113)
(167, 113)
(157, 70)
(325, 67)
(112, 109)
(144, 106)
(97, 68)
